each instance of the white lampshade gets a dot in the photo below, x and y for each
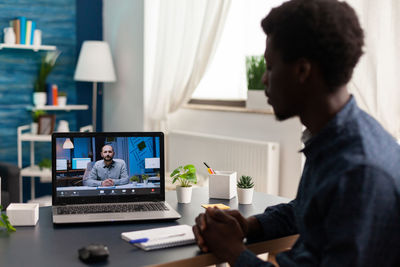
(68, 144)
(95, 63)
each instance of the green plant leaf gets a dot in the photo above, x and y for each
(176, 171)
(5, 223)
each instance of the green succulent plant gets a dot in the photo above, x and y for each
(245, 182)
(5, 223)
(134, 178)
(45, 163)
(145, 177)
(185, 175)
(255, 66)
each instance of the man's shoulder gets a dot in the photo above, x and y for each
(99, 163)
(120, 161)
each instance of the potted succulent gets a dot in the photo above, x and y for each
(62, 98)
(255, 67)
(186, 176)
(134, 179)
(46, 66)
(245, 189)
(45, 164)
(145, 178)
(35, 119)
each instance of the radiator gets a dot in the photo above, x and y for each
(257, 159)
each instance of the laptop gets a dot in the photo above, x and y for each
(135, 189)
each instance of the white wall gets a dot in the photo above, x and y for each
(123, 25)
(250, 126)
(123, 108)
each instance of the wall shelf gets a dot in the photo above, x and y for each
(65, 108)
(28, 47)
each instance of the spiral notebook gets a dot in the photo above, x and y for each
(163, 237)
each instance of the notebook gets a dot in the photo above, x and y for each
(164, 237)
(135, 164)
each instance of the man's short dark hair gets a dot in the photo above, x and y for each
(324, 31)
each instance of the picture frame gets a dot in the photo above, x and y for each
(46, 124)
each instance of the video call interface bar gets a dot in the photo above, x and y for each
(108, 192)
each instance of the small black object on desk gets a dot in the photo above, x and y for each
(93, 253)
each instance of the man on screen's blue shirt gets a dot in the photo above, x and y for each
(108, 171)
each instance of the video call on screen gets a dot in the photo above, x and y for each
(141, 156)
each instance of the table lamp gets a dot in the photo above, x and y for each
(95, 65)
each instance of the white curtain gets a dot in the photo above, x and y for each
(376, 79)
(181, 37)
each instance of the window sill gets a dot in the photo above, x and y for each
(267, 110)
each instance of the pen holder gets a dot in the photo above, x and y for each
(222, 185)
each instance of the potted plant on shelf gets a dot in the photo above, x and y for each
(62, 98)
(134, 179)
(46, 66)
(45, 164)
(186, 176)
(35, 118)
(255, 67)
(145, 178)
(245, 189)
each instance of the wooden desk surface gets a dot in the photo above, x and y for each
(48, 245)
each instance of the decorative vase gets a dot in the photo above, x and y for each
(184, 194)
(9, 35)
(62, 101)
(245, 195)
(34, 128)
(63, 126)
(39, 99)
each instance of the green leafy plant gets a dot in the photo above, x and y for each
(145, 177)
(36, 114)
(5, 223)
(134, 178)
(185, 175)
(46, 66)
(45, 163)
(62, 93)
(256, 67)
(245, 182)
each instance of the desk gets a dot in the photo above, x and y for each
(46, 245)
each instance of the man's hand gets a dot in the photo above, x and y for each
(107, 182)
(215, 229)
(201, 226)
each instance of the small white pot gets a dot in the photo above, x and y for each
(245, 195)
(39, 99)
(62, 100)
(184, 194)
(256, 99)
(34, 128)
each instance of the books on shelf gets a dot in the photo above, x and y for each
(24, 30)
(52, 94)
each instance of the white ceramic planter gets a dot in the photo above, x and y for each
(39, 99)
(184, 194)
(256, 99)
(245, 195)
(62, 100)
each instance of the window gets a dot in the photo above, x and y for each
(225, 78)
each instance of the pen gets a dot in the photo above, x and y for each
(145, 239)
(211, 171)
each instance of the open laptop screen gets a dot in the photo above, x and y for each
(107, 167)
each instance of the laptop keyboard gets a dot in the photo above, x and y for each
(86, 209)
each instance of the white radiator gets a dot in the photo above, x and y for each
(257, 159)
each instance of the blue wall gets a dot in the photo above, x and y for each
(58, 20)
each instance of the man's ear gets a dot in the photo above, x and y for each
(303, 69)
